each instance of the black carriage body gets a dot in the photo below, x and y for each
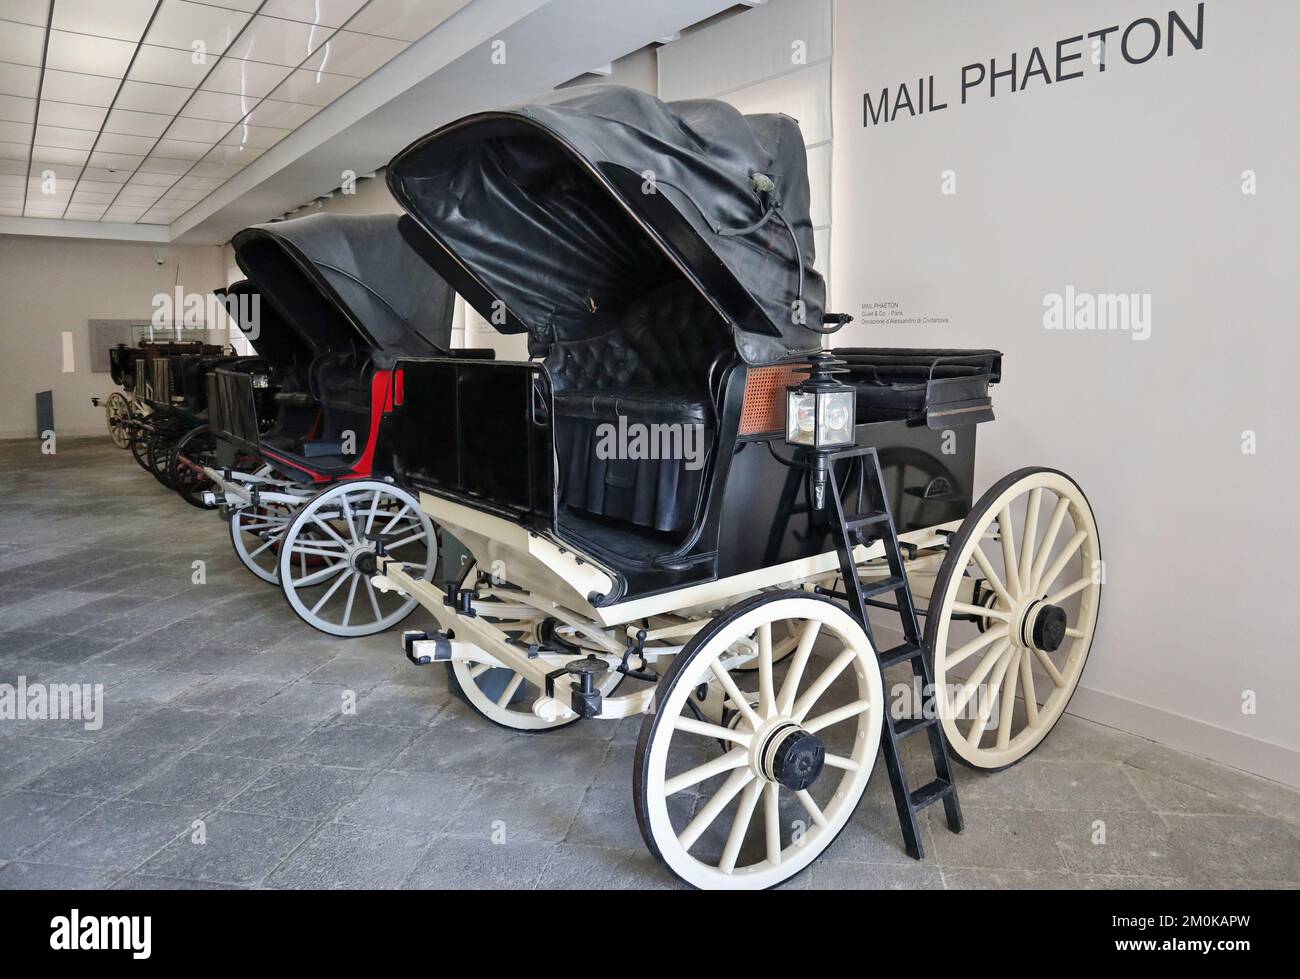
(660, 258)
(329, 303)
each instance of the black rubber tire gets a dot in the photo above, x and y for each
(956, 544)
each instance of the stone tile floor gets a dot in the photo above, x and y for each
(224, 712)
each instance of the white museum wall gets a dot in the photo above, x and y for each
(1129, 181)
(53, 285)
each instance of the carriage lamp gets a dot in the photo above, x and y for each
(819, 416)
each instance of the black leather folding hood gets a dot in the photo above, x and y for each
(347, 280)
(548, 214)
(270, 334)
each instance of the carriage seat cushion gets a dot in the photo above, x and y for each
(649, 407)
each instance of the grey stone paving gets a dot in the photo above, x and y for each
(224, 721)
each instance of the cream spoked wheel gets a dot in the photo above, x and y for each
(789, 761)
(329, 553)
(119, 413)
(1012, 616)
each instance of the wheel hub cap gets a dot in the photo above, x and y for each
(1042, 626)
(792, 757)
(365, 562)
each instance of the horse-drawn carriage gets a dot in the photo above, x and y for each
(338, 298)
(685, 492)
(132, 368)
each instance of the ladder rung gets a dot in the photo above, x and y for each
(865, 520)
(910, 725)
(882, 586)
(899, 654)
(931, 792)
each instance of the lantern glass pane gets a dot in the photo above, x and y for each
(800, 417)
(835, 418)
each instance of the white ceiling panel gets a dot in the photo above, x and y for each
(167, 66)
(279, 42)
(198, 130)
(115, 161)
(66, 86)
(90, 55)
(22, 44)
(100, 186)
(19, 79)
(16, 151)
(121, 19)
(358, 55)
(198, 183)
(282, 115)
(65, 175)
(223, 171)
(72, 116)
(75, 139)
(233, 154)
(314, 87)
(86, 213)
(257, 137)
(160, 180)
(134, 123)
(58, 155)
(218, 106)
(121, 143)
(328, 13)
(156, 163)
(148, 97)
(16, 132)
(92, 197)
(15, 109)
(27, 11)
(408, 20)
(179, 149)
(181, 24)
(250, 78)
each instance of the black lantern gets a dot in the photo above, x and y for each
(819, 415)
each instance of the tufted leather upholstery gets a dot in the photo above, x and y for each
(663, 343)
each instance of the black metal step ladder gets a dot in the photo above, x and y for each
(872, 519)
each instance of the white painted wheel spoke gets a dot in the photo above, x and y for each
(1050, 668)
(1027, 689)
(1071, 589)
(829, 675)
(846, 764)
(737, 698)
(374, 509)
(478, 669)
(374, 599)
(734, 758)
(405, 540)
(692, 726)
(837, 715)
(736, 781)
(793, 676)
(352, 595)
(511, 689)
(1048, 542)
(991, 576)
(329, 530)
(772, 822)
(393, 523)
(961, 653)
(316, 577)
(1052, 573)
(766, 695)
(971, 686)
(1007, 534)
(347, 516)
(1007, 698)
(270, 542)
(740, 825)
(962, 608)
(1074, 633)
(1031, 532)
(986, 708)
(811, 807)
(329, 593)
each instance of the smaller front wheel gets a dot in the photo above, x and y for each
(119, 414)
(800, 748)
(328, 554)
